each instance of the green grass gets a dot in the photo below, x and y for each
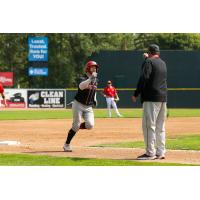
(189, 142)
(184, 112)
(35, 160)
(35, 114)
(99, 113)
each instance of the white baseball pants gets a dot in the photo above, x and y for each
(153, 125)
(110, 102)
(82, 111)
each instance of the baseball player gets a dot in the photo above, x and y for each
(152, 87)
(2, 94)
(110, 93)
(83, 102)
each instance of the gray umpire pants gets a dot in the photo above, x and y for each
(153, 125)
(82, 111)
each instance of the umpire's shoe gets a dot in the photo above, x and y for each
(146, 157)
(67, 148)
(161, 157)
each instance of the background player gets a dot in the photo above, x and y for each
(2, 94)
(83, 102)
(110, 93)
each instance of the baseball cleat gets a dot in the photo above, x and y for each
(119, 115)
(161, 157)
(67, 148)
(146, 157)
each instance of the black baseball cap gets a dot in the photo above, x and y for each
(153, 49)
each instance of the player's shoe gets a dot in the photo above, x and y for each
(146, 157)
(67, 148)
(119, 115)
(161, 157)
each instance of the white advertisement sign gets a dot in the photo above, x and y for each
(15, 98)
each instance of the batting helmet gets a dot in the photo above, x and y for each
(90, 64)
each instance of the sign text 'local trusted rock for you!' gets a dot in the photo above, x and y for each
(38, 49)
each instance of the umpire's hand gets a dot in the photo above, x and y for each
(145, 55)
(134, 99)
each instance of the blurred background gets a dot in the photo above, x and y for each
(118, 54)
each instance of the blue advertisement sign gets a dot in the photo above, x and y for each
(38, 48)
(38, 71)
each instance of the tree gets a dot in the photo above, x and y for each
(168, 41)
(68, 52)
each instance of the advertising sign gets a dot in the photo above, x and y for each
(38, 71)
(15, 98)
(38, 48)
(42, 98)
(6, 78)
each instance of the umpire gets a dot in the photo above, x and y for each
(152, 87)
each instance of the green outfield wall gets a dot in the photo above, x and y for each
(123, 69)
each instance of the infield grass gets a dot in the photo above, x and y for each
(99, 113)
(40, 160)
(188, 142)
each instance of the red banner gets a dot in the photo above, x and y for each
(6, 78)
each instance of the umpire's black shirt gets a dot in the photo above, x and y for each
(152, 85)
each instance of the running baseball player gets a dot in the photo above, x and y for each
(110, 93)
(83, 102)
(2, 94)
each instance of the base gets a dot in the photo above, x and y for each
(9, 142)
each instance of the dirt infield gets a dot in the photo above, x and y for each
(47, 137)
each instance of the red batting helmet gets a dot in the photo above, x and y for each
(90, 64)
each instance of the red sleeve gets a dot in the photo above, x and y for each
(105, 91)
(1, 88)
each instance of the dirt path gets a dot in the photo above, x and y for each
(47, 137)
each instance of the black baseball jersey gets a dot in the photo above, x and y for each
(152, 85)
(87, 96)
